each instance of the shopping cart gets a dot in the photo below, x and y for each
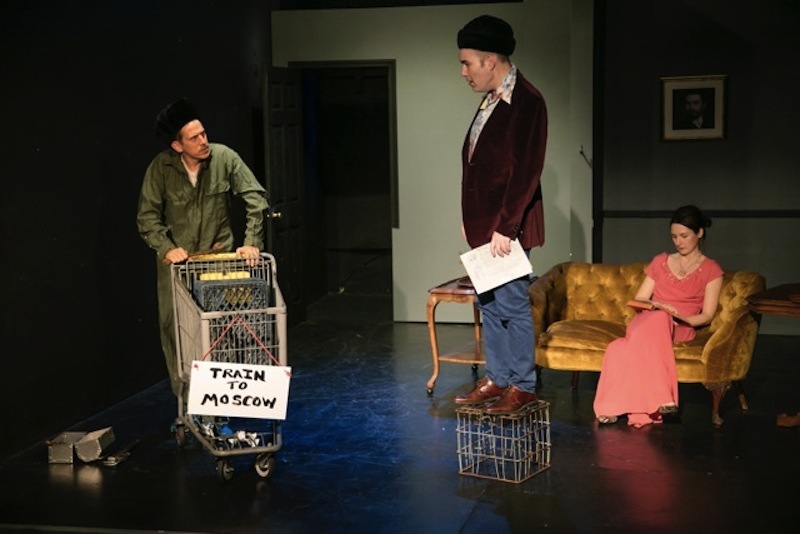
(230, 314)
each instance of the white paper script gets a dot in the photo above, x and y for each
(488, 272)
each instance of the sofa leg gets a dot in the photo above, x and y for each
(718, 390)
(738, 385)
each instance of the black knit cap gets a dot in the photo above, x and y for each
(488, 34)
(172, 118)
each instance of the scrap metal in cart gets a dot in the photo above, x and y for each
(229, 310)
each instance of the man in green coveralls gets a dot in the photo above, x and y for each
(184, 207)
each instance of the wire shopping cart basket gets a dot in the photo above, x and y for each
(230, 335)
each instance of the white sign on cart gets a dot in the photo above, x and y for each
(239, 390)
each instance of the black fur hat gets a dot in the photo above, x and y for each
(488, 34)
(172, 118)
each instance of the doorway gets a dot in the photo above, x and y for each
(350, 186)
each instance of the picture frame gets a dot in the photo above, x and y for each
(693, 107)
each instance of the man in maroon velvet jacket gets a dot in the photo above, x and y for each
(501, 201)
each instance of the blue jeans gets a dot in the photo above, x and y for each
(508, 335)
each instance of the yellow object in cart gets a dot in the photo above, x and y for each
(231, 275)
(214, 256)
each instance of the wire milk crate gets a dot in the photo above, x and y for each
(230, 325)
(511, 448)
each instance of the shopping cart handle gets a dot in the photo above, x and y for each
(217, 248)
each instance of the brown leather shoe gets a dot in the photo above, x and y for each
(513, 399)
(485, 390)
(789, 420)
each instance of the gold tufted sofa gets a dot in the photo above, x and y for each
(579, 308)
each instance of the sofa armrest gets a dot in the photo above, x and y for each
(548, 296)
(729, 351)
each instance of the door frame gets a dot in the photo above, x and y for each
(390, 66)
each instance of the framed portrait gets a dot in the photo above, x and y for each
(694, 107)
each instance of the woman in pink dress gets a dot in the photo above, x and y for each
(638, 377)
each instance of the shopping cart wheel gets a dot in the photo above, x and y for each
(224, 469)
(265, 465)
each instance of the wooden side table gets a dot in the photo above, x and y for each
(779, 300)
(460, 291)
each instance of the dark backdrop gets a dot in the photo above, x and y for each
(748, 178)
(82, 83)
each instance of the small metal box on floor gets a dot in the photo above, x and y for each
(92, 445)
(511, 448)
(61, 449)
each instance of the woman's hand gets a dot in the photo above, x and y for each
(669, 308)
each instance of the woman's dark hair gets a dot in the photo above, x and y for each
(691, 217)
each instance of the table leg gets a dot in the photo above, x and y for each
(431, 312)
(476, 313)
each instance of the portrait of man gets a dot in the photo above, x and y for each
(693, 109)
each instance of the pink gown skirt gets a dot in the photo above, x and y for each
(638, 374)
